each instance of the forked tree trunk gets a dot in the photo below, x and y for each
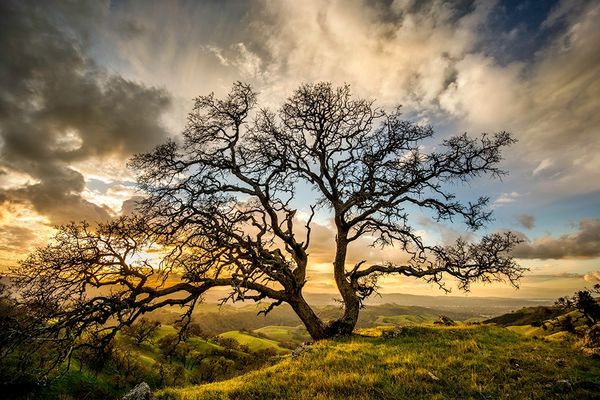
(347, 322)
(345, 325)
(317, 328)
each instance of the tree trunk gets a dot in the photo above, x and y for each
(316, 328)
(344, 325)
(347, 322)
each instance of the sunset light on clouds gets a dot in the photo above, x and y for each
(86, 85)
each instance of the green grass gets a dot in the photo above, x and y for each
(526, 316)
(148, 353)
(287, 334)
(202, 345)
(407, 320)
(79, 385)
(528, 330)
(164, 330)
(254, 343)
(426, 362)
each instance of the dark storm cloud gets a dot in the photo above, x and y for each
(526, 220)
(57, 106)
(585, 243)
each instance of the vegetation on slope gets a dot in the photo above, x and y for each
(254, 343)
(458, 362)
(286, 336)
(214, 319)
(407, 320)
(526, 316)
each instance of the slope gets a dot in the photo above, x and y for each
(459, 362)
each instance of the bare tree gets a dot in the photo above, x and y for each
(143, 330)
(221, 207)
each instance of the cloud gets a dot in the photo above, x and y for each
(432, 57)
(398, 52)
(444, 61)
(438, 59)
(543, 166)
(322, 248)
(59, 107)
(526, 220)
(547, 101)
(506, 198)
(553, 277)
(447, 234)
(20, 230)
(14, 238)
(131, 205)
(238, 56)
(585, 243)
(592, 276)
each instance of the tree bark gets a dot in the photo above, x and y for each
(316, 328)
(344, 325)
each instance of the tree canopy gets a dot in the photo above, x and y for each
(220, 210)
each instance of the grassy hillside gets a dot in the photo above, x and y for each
(407, 320)
(286, 336)
(254, 343)
(215, 320)
(526, 316)
(462, 362)
(546, 322)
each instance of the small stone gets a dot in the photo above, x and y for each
(392, 333)
(432, 376)
(302, 349)
(444, 320)
(140, 392)
(564, 385)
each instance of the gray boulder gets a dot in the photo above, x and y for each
(140, 392)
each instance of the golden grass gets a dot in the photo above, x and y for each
(462, 362)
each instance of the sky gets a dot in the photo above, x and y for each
(84, 85)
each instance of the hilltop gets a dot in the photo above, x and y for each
(245, 357)
(215, 319)
(421, 362)
(526, 316)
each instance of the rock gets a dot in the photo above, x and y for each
(432, 376)
(563, 386)
(443, 320)
(140, 392)
(392, 333)
(302, 349)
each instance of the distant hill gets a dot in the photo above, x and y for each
(215, 319)
(476, 305)
(526, 316)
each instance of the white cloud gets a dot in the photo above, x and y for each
(542, 166)
(506, 198)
